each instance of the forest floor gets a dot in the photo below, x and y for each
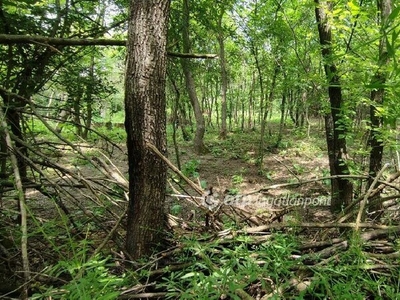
(230, 167)
(234, 172)
(289, 184)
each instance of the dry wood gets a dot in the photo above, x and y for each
(109, 169)
(382, 183)
(264, 228)
(367, 195)
(12, 39)
(144, 296)
(348, 211)
(194, 186)
(378, 233)
(22, 204)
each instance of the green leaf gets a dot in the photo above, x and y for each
(354, 8)
(189, 275)
(394, 14)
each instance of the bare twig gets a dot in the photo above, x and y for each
(22, 204)
(366, 197)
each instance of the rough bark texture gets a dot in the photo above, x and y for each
(377, 95)
(145, 122)
(342, 189)
(199, 146)
(377, 98)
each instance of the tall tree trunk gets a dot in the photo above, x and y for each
(199, 146)
(282, 121)
(175, 119)
(377, 97)
(224, 75)
(145, 122)
(89, 97)
(77, 114)
(265, 115)
(251, 118)
(342, 188)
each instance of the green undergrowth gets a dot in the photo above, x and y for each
(276, 267)
(229, 269)
(205, 266)
(202, 267)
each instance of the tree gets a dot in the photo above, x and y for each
(29, 66)
(342, 188)
(199, 146)
(377, 95)
(145, 122)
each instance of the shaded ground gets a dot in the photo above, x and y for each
(230, 168)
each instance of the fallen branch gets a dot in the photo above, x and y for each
(22, 204)
(366, 197)
(194, 186)
(264, 228)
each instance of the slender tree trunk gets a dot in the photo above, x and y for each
(199, 146)
(342, 189)
(224, 77)
(217, 105)
(77, 114)
(264, 119)
(282, 121)
(89, 98)
(145, 122)
(242, 115)
(377, 99)
(251, 118)
(175, 120)
(254, 51)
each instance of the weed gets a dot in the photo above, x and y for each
(191, 168)
(237, 179)
(298, 169)
(91, 280)
(176, 209)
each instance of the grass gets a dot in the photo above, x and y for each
(212, 268)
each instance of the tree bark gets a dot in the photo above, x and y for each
(198, 142)
(342, 188)
(377, 99)
(145, 121)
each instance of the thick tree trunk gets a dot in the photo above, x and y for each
(199, 146)
(342, 189)
(145, 122)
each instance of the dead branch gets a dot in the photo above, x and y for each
(263, 228)
(382, 185)
(144, 296)
(378, 233)
(287, 168)
(194, 186)
(326, 243)
(366, 197)
(12, 39)
(110, 170)
(22, 205)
